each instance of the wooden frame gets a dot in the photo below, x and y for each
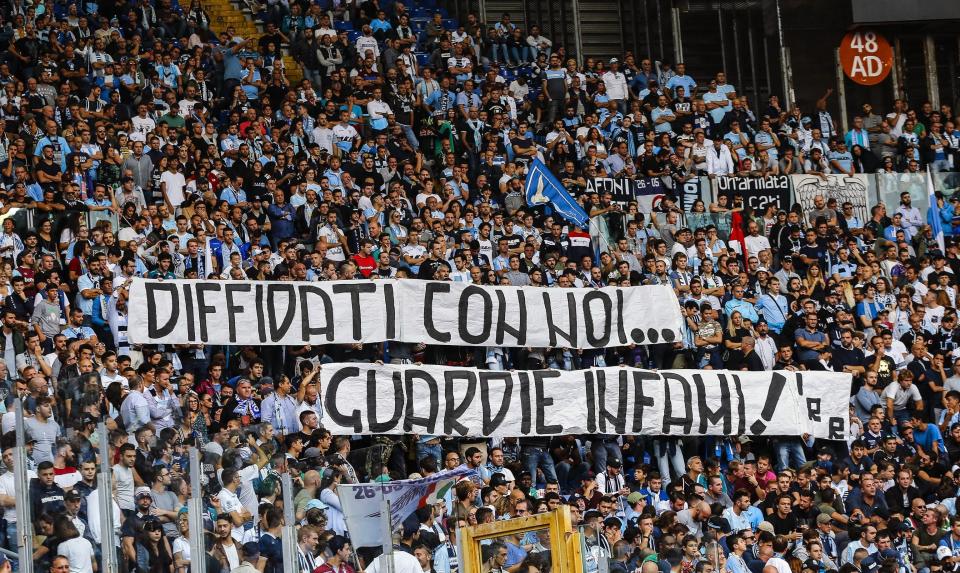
(564, 540)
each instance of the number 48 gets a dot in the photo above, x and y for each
(864, 42)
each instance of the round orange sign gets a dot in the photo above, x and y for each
(866, 57)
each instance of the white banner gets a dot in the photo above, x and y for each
(436, 400)
(431, 312)
(843, 188)
(361, 503)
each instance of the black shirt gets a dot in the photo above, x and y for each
(783, 526)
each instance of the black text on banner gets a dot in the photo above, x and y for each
(436, 400)
(431, 312)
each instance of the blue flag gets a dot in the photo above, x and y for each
(933, 213)
(542, 188)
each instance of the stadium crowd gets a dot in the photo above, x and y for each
(143, 144)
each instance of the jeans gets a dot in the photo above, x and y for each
(11, 540)
(315, 77)
(424, 450)
(902, 416)
(533, 458)
(790, 454)
(603, 448)
(669, 453)
(570, 476)
(554, 110)
(510, 55)
(939, 165)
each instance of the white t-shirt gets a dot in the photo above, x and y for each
(106, 379)
(900, 396)
(248, 497)
(421, 198)
(334, 253)
(323, 136)
(229, 502)
(80, 553)
(756, 244)
(93, 518)
(403, 562)
(344, 134)
(233, 557)
(9, 353)
(8, 487)
(182, 546)
(175, 184)
(141, 127)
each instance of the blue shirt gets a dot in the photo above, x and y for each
(774, 309)
(764, 138)
(231, 65)
(378, 24)
(718, 112)
(233, 196)
(844, 159)
(684, 81)
(656, 114)
(746, 309)
(804, 334)
(736, 564)
(928, 437)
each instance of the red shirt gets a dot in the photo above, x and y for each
(365, 264)
(326, 568)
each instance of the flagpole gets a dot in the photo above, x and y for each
(289, 536)
(388, 532)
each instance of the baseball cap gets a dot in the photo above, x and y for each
(614, 463)
(72, 495)
(614, 61)
(943, 552)
(634, 498)
(497, 479)
(316, 503)
(142, 491)
(824, 518)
